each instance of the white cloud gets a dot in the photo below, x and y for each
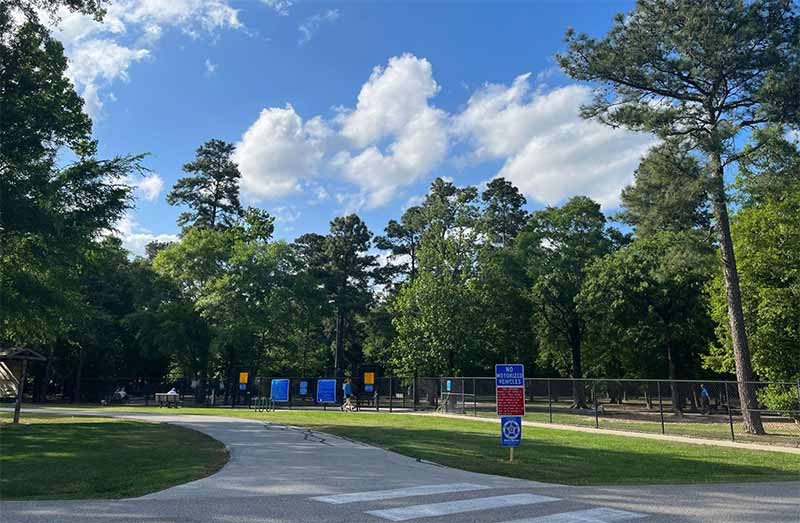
(550, 152)
(312, 23)
(278, 151)
(394, 137)
(135, 238)
(102, 53)
(150, 187)
(211, 68)
(280, 6)
(393, 104)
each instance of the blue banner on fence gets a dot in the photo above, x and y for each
(509, 375)
(510, 431)
(326, 391)
(280, 390)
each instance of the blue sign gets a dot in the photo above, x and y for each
(303, 388)
(280, 390)
(511, 431)
(243, 386)
(369, 388)
(326, 391)
(449, 385)
(512, 375)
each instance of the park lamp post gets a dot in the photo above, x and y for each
(16, 357)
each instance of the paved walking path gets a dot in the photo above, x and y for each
(284, 474)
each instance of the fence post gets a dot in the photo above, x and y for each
(660, 407)
(414, 394)
(730, 410)
(391, 394)
(475, 395)
(549, 401)
(596, 413)
(798, 395)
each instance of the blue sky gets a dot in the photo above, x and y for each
(346, 107)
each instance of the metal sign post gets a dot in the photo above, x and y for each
(510, 434)
(510, 396)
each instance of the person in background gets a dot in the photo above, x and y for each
(705, 399)
(347, 392)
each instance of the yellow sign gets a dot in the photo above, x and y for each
(243, 377)
(369, 378)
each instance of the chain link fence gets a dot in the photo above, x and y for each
(677, 407)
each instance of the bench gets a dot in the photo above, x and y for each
(168, 400)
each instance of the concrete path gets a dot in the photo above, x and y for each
(284, 474)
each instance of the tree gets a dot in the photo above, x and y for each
(212, 194)
(435, 316)
(348, 271)
(558, 244)
(704, 73)
(668, 193)
(402, 240)
(50, 213)
(503, 216)
(767, 240)
(647, 302)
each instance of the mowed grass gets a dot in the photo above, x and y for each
(785, 434)
(65, 457)
(557, 456)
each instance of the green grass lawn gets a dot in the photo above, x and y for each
(65, 457)
(785, 434)
(558, 456)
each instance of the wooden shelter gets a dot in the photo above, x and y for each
(14, 372)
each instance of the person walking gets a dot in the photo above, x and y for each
(705, 399)
(347, 392)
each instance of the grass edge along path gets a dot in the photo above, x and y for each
(52, 456)
(547, 455)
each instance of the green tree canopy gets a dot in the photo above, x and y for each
(212, 192)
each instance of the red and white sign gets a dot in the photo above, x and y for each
(510, 390)
(510, 401)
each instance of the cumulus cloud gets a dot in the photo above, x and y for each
(135, 238)
(312, 24)
(395, 136)
(393, 105)
(550, 152)
(278, 151)
(390, 139)
(102, 53)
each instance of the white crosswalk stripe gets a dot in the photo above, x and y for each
(378, 495)
(593, 515)
(456, 507)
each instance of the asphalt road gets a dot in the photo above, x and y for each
(284, 474)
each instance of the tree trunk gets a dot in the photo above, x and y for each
(76, 393)
(677, 402)
(578, 395)
(741, 349)
(48, 375)
(338, 359)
